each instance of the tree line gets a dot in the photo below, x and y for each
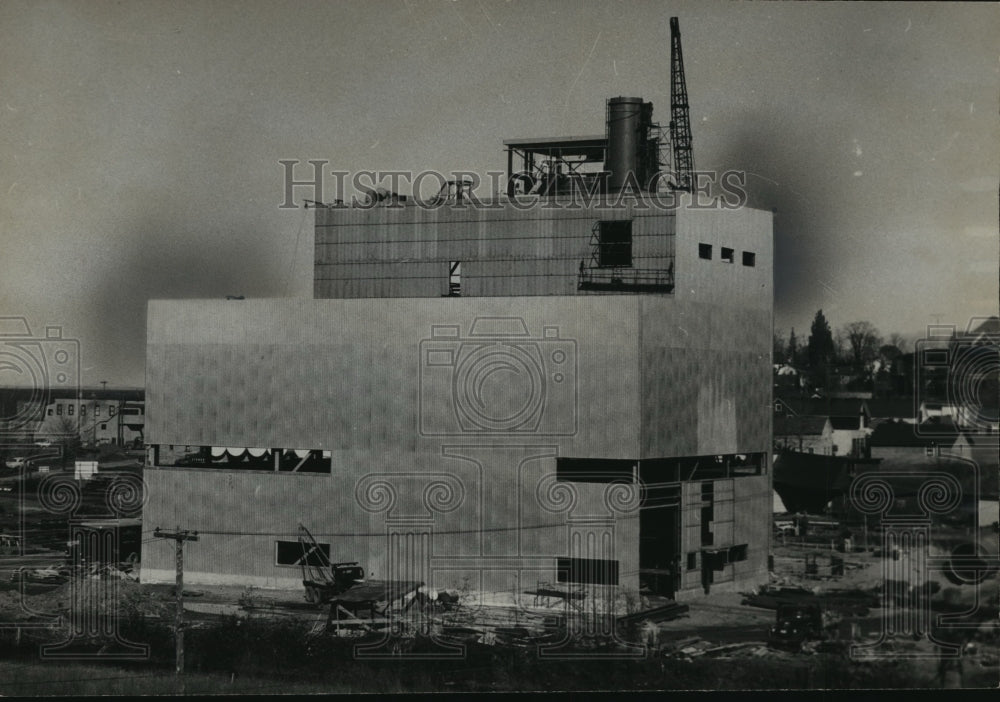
(857, 345)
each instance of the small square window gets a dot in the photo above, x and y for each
(705, 251)
(727, 255)
(749, 258)
(49, 412)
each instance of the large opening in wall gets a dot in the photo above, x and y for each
(615, 248)
(291, 553)
(703, 467)
(276, 460)
(661, 562)
(589, 571)
(594, 470)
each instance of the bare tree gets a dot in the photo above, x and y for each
(66, 433)
(864, 341)
(896, 339)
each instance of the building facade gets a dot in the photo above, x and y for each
(500, 395)
(95, 421)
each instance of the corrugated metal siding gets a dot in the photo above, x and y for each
(349, 374)
(240, 515)
(503, 252)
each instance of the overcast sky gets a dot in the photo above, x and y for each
(139, 141)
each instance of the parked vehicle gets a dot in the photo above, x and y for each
(795, 624)
(18, 462)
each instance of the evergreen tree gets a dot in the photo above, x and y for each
(793, 348)
(821, 346)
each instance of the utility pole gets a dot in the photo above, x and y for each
(179, 537)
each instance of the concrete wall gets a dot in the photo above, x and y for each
(742, 515)
(497, 531)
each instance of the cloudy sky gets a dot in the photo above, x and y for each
(140, 141)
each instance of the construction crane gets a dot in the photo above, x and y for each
(322, 579)
(680, 118)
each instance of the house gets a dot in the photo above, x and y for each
(846, 435)
(802, 433)
(94, 421)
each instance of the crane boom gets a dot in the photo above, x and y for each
(680, 119)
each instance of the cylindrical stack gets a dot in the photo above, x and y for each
(627, 132)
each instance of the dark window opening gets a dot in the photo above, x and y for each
(454, 279)
(103, 427)
(615, 244)
(715, 559)
(727, 255)
(737, 553)
(707, 490)
(749, 258)
(50, 411)
(59, 410)
(705, 251)
(593, 470)
(707, 513)
(591, 571)
(293, 553)
(692, 563)
(70, 409)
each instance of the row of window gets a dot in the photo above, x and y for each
(70, 409)
(727, 255)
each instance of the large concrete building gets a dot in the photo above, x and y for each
(502, 395)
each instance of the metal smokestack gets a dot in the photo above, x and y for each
(629, 120)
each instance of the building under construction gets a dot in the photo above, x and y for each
(570, 391)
